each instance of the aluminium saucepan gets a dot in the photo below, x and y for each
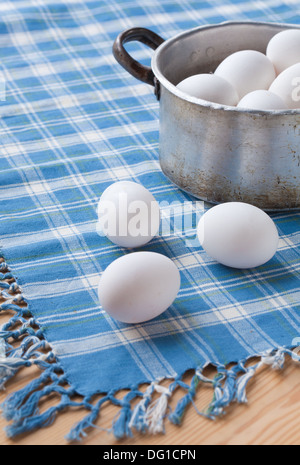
(215, 152)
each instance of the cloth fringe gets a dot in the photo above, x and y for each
(151, 408)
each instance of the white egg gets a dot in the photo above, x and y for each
(262, 100)
(247, 70)
(284, 49)
(238, 235)
(209, 87)
(139, 286)
(128, 214)
(287, 86)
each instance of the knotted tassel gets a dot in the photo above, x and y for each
(10, 305)
(156, 412)
(242, 381)
(30, 406)
(176, 416)
(12, 288)
(3, 266)
(9, 367)
(121, 426)
(223, 396)
(13, 402)
(78, 431)
(6, 276)
(138, 418)
(275, 359)
(37, 421)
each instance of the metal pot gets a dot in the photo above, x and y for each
(215, 152)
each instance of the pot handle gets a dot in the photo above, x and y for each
(136, 69)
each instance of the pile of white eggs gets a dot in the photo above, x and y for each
(252, 80)
(139, 286)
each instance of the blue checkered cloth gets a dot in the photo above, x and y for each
(74, 122)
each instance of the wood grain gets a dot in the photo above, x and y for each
(272, 417)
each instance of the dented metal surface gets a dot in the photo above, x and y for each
(223, 157)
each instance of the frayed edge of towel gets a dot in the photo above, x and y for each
(22, 345)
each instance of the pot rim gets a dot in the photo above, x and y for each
(211, 105)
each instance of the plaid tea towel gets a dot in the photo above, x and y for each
(73, 122)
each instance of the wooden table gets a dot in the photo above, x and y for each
(272, 417)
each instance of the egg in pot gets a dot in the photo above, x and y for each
(287, 86)
(247, 70)
(209, 87)
(262, 100)
(284, 49)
